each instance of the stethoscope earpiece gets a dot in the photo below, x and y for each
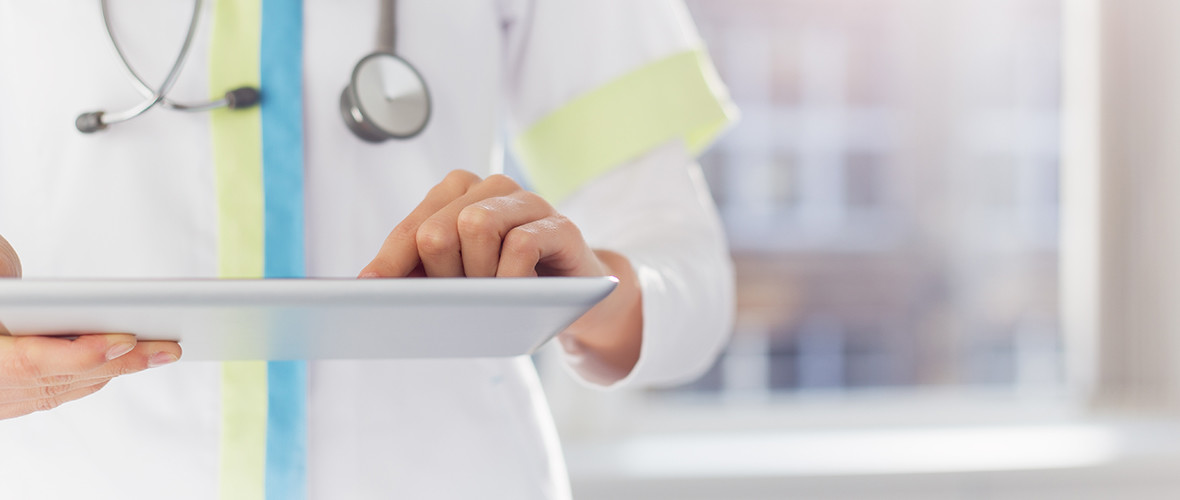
(243, 98)
(89, 123)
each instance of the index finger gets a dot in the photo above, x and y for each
(399, 254)
(9, 262)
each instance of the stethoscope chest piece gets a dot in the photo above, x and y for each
(385, 99)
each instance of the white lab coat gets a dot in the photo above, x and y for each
(138, 200)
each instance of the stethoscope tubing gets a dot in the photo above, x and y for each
(351, 106)
(387, 28)
(157, 96)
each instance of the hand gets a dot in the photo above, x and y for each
(41, 373)
(467, 226)
(475, 227)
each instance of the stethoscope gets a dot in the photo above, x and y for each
(386, 98)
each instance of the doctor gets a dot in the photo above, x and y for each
(605, 103)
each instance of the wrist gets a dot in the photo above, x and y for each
(605, 343)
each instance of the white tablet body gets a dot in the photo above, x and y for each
(310, 318)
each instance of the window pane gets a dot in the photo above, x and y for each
(891, 193)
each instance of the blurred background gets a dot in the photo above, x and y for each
(890, 192)
(943, 289)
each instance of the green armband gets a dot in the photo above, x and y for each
(679, 97)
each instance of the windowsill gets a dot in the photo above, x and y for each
(906, 443)
(1059, 458)
(904, 407)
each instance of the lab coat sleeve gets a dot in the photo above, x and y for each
(595, 84)
(608, 103)
(656, 211)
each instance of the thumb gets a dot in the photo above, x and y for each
(9, 262)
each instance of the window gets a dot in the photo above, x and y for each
(890, 193)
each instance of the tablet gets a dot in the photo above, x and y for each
(310, 318)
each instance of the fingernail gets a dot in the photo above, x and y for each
(118, 350)
(369, 275)
(161, 359)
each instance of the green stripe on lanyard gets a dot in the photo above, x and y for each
(259, 188)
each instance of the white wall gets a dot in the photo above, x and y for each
(1128, 121)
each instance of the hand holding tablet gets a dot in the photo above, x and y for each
(41, 373)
